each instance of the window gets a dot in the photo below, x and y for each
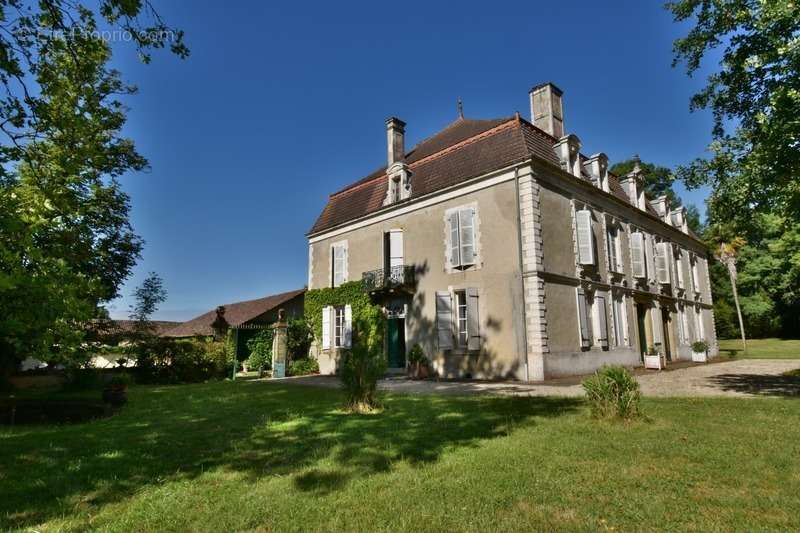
(698, 324)
(584, 319)
(338, 327)
(461, 240)
(662, 262)
(638, 263)
(600, 314)
(695, 275)
(395, 185)
(683, 325)
(614, 256)
(679, 268)
(338, 263)
(462, 335)
(584, 237)
(393, 248)
(463, 325)
(620, 318)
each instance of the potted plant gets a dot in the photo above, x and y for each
(417, 363)
(652, 359)
(700, 351)
(116, 390)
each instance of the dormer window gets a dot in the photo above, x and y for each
(394, 185)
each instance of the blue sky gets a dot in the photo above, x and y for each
(280, 105)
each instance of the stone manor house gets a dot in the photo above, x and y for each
(505, 252)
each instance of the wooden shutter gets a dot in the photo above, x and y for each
(600, 305)
(444, 320)
(473, 320)
(585, 322)
(347, 329)
(395, 248)
(583, 220)
(345, 273)
(655, 313)
(455, 242)
(662, 264)
(466, 232)
(637, 255)
(326, 328)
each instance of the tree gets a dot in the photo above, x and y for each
(726, 254)
(66, 244)
(755, 100)
(147, 298)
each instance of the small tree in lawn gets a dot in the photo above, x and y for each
(365, 363)
(726, 254)
(148, 296)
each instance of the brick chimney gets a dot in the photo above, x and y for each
(547, 112)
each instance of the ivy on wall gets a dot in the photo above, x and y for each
(351, 293)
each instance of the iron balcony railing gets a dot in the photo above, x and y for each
(396, 277)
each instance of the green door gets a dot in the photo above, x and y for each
(395, 329)
(640, 318)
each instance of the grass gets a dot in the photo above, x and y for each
(761, 348)
(254, 456)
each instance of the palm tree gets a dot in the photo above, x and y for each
(727, 253)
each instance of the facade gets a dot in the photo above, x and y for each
(504, 252)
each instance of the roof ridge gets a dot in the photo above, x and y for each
(469, 140)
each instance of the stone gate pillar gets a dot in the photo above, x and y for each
(279, 345)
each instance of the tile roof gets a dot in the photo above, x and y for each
(235, 314)
(465, 149)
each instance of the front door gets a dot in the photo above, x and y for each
(641, 315)
(396, 339)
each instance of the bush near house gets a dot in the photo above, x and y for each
(164, 360)
(303, 367)
(613, 393)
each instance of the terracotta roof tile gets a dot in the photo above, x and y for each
(235, 314)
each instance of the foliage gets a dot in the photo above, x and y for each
(302, 367)
(147, 297)
(365, 363)
(122, 379)
(351, 293)
(755, 92)
(260, 347)
(417, 355)
(299, 338)
(82, 378)
(66, 244)
(164, 360)
(700, 346)
(613, 393)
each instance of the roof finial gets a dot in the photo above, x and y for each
(460, 108)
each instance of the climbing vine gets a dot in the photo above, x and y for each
(351, 293)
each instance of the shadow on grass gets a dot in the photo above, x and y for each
(760, 384)
(254, 429)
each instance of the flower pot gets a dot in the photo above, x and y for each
(418, 371)
(116, 395)
(652, 361)
(699, 357)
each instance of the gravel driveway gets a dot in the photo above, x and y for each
(747, 377)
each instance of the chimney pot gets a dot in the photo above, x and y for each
(395, 136)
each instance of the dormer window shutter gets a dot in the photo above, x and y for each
(455, 242)
(585, 237)
(637, 255)
(662, 265)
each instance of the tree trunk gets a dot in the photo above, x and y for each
(731, 273)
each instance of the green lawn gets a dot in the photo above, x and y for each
(247, 455)
(761, 348)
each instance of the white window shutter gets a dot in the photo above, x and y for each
(395, 248)
(326, 328)
(473, 320)
(444, 320)
(345, 261)
(637, 255)
(584, 319)
(657, 325)
(466, 232)
(583, 220)
(662, 265)
(347, 332)
(455, 242)
(600, 305)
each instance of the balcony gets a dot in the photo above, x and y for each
(394, 279)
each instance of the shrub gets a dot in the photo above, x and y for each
(181, 361)
(79, 379)
(700, 346)
(299, 338)
(260, 347)
(416, 355)
(365, 363)
(123, 379)
(302, 367)
(613, 393)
